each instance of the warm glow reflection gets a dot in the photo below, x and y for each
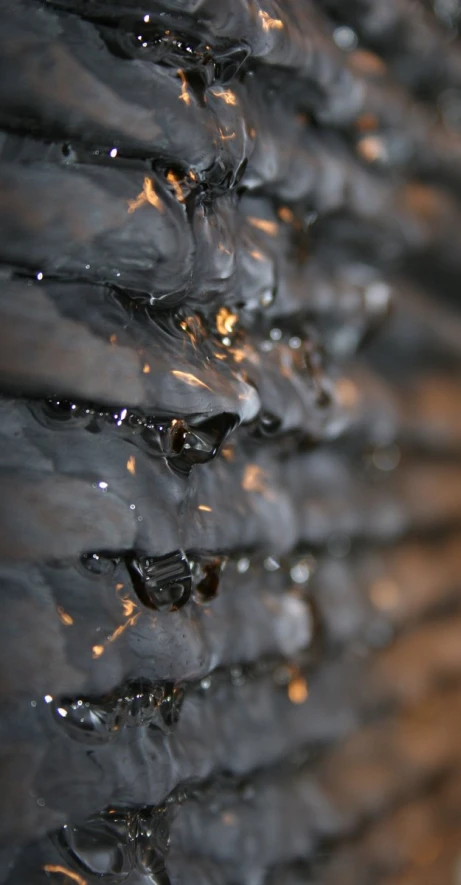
(189, 379)
(226, 137)
(205, 508)
(367, 123)
(185, 97)
(285, 214)
(347, 393)
(98, 650)
(129, 623)
(269, 227)
(193, 327)
(65, 618)
(372, 148)
(226, 321)
(147, 195)
(298, 691)
(128, 606)
(227, 96)
(53, 868)
(174, 181)
(253, 479)
(131, 465)
(269, 23)
(385, 594)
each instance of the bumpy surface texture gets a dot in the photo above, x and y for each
(230, 475)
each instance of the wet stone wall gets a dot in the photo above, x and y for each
(230, 474)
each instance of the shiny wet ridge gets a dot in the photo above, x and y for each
(230, 480)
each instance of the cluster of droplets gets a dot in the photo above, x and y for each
(110, 846)
(165, 583)
(307, 359)
(183, 444)
(148, 38)
(142, 703)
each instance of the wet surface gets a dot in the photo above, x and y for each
(230, 485)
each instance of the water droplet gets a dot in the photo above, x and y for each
(300, 573)
(84, 721)
(205, 683)
(185, 445)
(345, 38)
(237, 675)
(386, 459)
(297, 690)
(98, 564)
(267, 424)
(41, 802)
(267, 298)
(103, 846)
(243, 564)
(275, 334)
(271, 564)
(164, 582)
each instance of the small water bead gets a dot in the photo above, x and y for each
(386, 459)
(62, 409)
(267, 298)
(99, 564)
(345, 38)
(242, 565)
(163, 582)
(237, 675)
(266, 346)
(301, 571)
(186, 445)
(85, 721)
(271, 564)
(267, 424)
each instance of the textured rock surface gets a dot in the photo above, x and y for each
(230, 475)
